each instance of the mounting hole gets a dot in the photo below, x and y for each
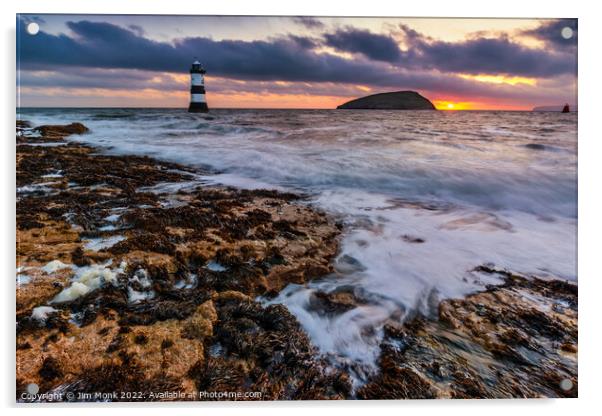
(566, 384)
(33, 388)
(33, 28)
(566, 32)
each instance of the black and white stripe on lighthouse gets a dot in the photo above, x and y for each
(198, 102)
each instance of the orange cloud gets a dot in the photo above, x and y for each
(499, 79)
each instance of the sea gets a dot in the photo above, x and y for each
(425, 197)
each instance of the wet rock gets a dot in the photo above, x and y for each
(23, 124)
(61, 131)
(336, 302)
(507, 341)
(266, 349)
(397, 382)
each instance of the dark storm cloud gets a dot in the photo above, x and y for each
(474, 56)
(371, 45)
(103, 45)
(304, 42)
(486, 56)
(551, 33)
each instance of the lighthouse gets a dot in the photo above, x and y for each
(198, 102)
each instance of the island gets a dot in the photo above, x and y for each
(398, 100)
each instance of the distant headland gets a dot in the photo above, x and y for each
(398, 100)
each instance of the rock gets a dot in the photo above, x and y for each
(334, 303)
(23, 124)
(399, 100)
(61, 131)
(507, 341)
(397, 382)
(264, 349)
(200, 325)
(190, 326)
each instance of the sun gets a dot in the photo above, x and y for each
(452, 105)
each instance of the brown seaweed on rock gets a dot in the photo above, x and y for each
(265, 349)
(157, 326)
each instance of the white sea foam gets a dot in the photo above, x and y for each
(171, 187)
(112, 218)
(239, 182)
(135, 296)
(23, 279)
(41, 313)
(189, 282)
(54, 266)
(46, 144)
(215, 266)
(100, 243)
(57, 174)
(88, 279)
(36, 187)
(108, 227)
(140, 279)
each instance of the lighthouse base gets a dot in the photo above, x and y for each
(198, 108)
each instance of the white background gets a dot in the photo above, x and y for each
(590, 206)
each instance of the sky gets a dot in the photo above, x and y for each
(294, 62)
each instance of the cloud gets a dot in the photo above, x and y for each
(499, 55)
(102, 78)
(551, 33)
(309, 22)
(479, 55)
(371, 45)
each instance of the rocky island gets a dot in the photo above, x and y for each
(398, 100)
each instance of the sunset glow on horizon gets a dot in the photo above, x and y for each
(294, 62)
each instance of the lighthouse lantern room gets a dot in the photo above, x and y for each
(198, 102)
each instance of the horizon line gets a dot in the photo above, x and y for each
(284, 108)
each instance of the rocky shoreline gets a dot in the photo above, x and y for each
(133, 277)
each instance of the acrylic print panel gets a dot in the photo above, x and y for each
(295, 208)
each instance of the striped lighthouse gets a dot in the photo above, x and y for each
(198, 102)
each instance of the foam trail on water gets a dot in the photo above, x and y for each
(399, 259)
